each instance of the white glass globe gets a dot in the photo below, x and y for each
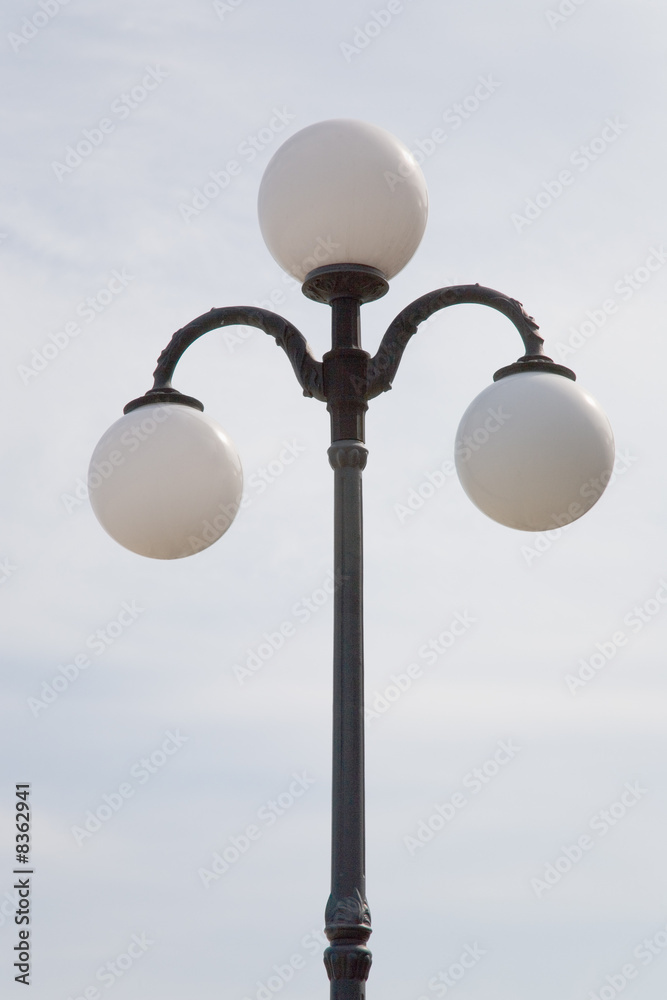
(534, 451)
(165, 481)
(342, 192)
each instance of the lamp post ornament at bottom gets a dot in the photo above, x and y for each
(540, 467)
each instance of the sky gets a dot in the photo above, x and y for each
(516, 764)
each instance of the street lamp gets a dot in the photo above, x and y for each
(342, 208)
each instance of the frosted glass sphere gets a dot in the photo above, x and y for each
(165, 481)
(342, 192)
(534, 451)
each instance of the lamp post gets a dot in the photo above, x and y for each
(342, 208)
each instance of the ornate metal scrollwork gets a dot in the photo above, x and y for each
(347, 454)
(306, 368)
(350, 911)
(383, 367)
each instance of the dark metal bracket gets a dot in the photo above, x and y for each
(383, 367)
(345, 288)
(306, 368)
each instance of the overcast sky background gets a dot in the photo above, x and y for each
(581, 91)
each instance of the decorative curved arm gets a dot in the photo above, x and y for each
(383, 367)
(306, 368)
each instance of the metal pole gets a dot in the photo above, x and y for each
(348, 924)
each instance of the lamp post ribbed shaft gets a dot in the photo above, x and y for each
(347, 916)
